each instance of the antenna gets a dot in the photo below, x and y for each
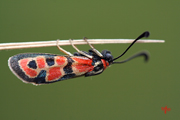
(145, 34)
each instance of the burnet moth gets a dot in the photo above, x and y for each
(43, 68)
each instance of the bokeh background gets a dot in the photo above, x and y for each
(135, 90)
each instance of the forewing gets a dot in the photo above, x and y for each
(37, 68)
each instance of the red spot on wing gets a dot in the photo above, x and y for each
(54, 73)
(60, 60)
(105, 63)
(84, 68)
(83, 64)
(83, 60)
(41, 62)
(28, 71)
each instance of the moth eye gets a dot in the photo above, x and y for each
(109, 56)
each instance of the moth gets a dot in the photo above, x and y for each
(44, 68)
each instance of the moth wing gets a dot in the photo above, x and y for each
(35, 67)
(38, 68)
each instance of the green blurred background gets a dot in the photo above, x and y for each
(135, 90)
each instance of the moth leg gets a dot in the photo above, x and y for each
(62, 50)
(96, 51)
(81, 52)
